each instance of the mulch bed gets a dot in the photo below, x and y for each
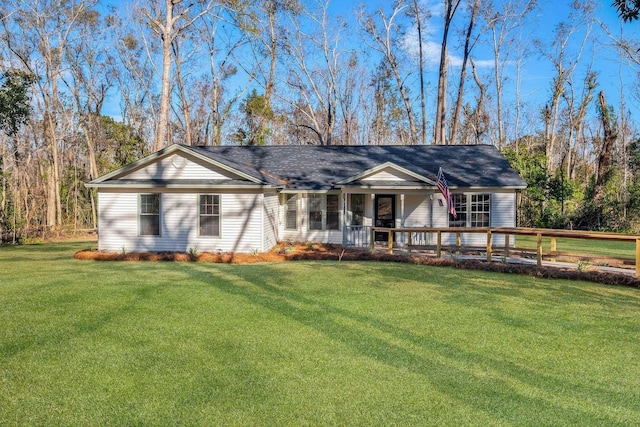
(317, 251)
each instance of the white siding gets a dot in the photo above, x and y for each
(177, 166)
(271, 220)
(503, 210)
(117, 221)
(503, 214)
(241, 225)
(417, 210)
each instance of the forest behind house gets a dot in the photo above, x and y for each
(87, 87)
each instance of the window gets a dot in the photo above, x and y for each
(324, 212)
(480, 207)
(150, 214)
(473, 210)
(460, 204)
(315, 211)
(209, 217)
(333, 212)
(291, 212)
(357, 209)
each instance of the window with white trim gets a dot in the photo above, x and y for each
(480, 210)
(472, 210)
(209, 215)
(291, 211)
(357, 209)
(460, 204)
(332, 221)
(149, 218)
(323, 211)
(314, 205)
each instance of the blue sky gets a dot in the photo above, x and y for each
(615, 77)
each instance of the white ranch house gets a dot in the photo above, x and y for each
(245, 199)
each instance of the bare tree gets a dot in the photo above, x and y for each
(468, 45)
(564, 61)
(383, 31)
(576, 117)
(318, 58)
(168, 21)
(502, 22)
(88, 80)
(37, 36)
(450, 8)
(224, 34)
(417, 13)
(133, 73)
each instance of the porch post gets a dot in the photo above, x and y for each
(345, 232)
(373, 220)
(402, 214)
(430, 217)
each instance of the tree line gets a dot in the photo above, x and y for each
(86, 88)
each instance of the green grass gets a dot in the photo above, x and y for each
(308, 343)
(582, 246)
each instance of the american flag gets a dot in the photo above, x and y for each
(444, 189)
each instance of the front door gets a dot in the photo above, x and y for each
(385, 214)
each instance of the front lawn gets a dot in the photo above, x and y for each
(605, 248)
(308, 343)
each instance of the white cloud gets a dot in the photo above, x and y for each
(432, 45)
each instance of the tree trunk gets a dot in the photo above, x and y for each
(3, 187)
(183, 95)
(463, 74)
(479, 114)
(609, 139)
(423, 130)
(163, 120)
(441, 108)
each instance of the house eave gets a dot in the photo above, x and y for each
(203, 186)
(386, 187)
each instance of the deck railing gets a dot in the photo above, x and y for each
(505, 232)
(357, 236)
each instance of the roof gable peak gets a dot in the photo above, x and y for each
(389, 166)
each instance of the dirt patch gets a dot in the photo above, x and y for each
(318, 251)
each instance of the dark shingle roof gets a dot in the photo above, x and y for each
(321, 167)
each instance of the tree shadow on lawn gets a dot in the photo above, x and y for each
(478, 283)
(57, 251)
(499, 393)
(85, 319)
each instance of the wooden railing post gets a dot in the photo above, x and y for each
(439, 245)
(539, 249)
(390, 241)
(489, 244)
(506, 244)
(372, 242)
(458, 243)
(553, 248)
(409, 241)
(637, 257)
